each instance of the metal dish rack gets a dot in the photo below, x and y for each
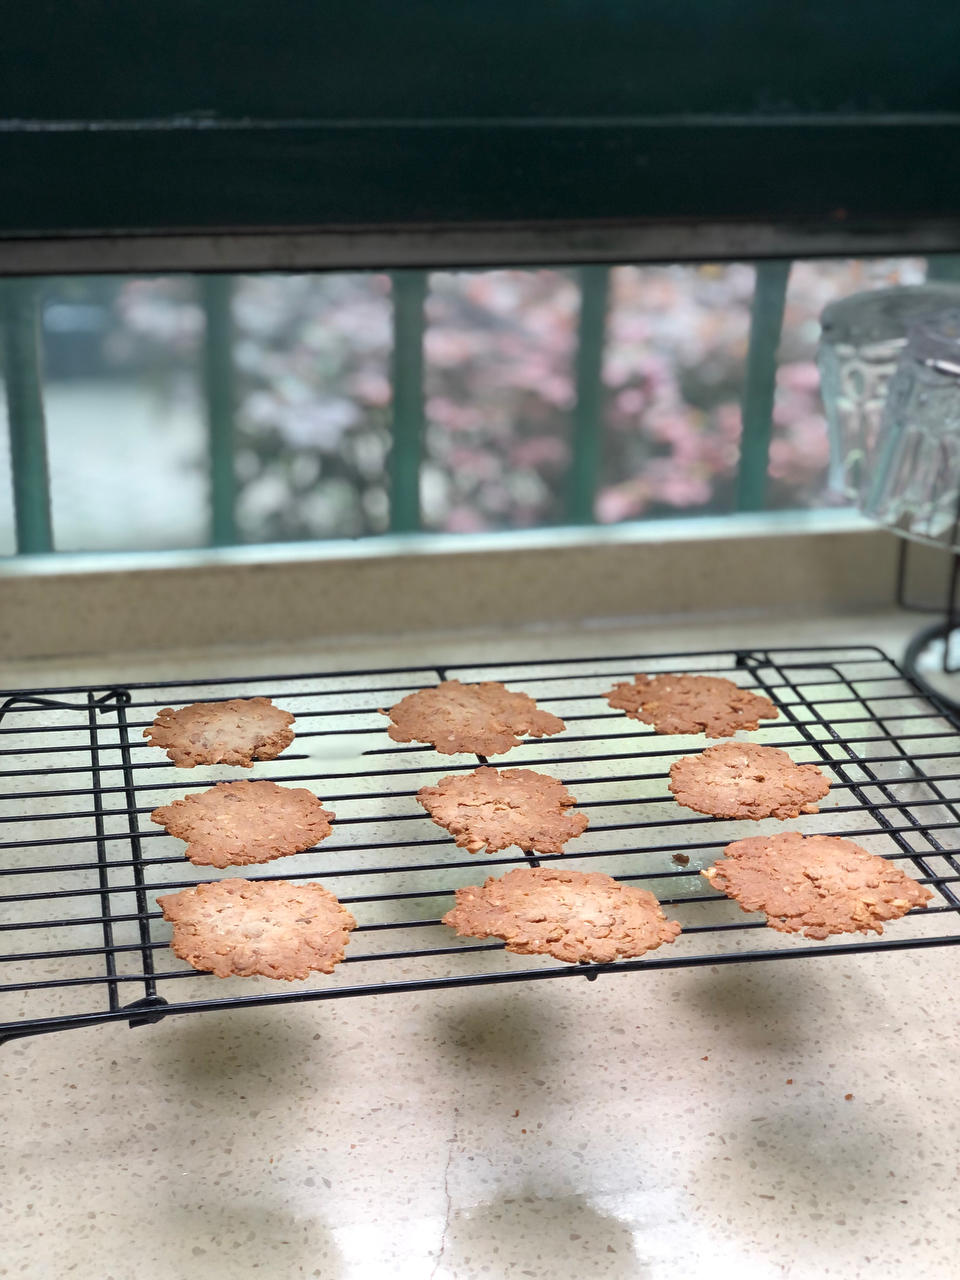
(83, 941)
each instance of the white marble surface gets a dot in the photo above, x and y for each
(682, 1123)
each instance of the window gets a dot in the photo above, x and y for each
(187, 411)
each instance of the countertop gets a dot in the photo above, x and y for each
(756, 1121)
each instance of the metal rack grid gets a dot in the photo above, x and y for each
(83, 942)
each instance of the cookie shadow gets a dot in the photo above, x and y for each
(510, 1032)
(816, 1161)
(250, 1050)
(545, 1238)
(759, 1006)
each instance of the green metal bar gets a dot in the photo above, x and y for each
(409, 299)
(944, 266)
(766, 321)
(20, 335)
(219, 389)
(587, 449)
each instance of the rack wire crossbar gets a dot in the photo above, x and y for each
(82, 940)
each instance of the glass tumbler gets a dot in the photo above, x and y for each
(861, 340)
(913, 480)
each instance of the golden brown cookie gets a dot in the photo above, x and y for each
(496, 808)
(815, 885)
(744, 780)
(482, 719)
(692, 704)
(269, 927)
(568, 914)
(235, 823)
(237, 731)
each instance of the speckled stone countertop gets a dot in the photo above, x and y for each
(683, 1123)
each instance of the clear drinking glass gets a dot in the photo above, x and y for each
(861, 340)
(914, 481)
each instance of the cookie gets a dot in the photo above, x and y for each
(235, 823)
(573, 915)
(497, 808)
(268, 927)
(744, 780)
(238, 731)
(815, 885)
(692, 704)
(482, 719)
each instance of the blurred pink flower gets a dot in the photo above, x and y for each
(802, 452)
(474, 464)
(620, 502)
(801, 375)
(453, 416)
(373, 386)
(728, 421)
(540, 451)
(447, 348)
(464, 520)
(676, 486)
(631, 401)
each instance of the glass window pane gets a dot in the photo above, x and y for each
(500, 348)
(314, 401)
(125, 428)
(127, 433)
(674, 367)
(129, 442)
(675, 363)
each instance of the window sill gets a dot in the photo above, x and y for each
(647, 532)
(790, 562)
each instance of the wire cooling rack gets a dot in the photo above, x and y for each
(82, 940)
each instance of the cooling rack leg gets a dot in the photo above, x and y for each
(146, 1011)
(924, 637)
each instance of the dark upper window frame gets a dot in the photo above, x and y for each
(174, 134)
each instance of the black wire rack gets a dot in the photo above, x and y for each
(82, 940)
